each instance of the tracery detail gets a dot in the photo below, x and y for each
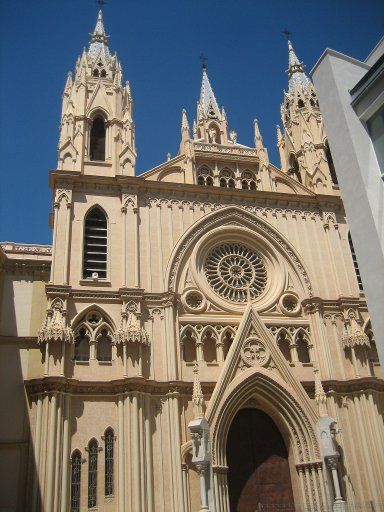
(233, 269)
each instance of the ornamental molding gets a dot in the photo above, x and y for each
(130, 329)
(55, 327)
(254, 353)
(206, 225)
(228, 150)
(28, 267)
(45, 385)
(353, 334)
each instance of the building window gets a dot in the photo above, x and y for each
(92, 473)
(82, 346)
(302, 348)
(248, 181)
(355, 264)
(331, 166)
(97, 144)
(75, 481)
(227, 179)
(109, 447)
(294, 169)
(95, 244)
(205, 177)
(375, 127)
(104, 346)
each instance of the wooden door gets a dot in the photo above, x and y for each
(258, 476)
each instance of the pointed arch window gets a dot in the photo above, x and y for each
(104, 346)
(331, 165)
(355, 264)
(95, 244)
(109, 440)
(97, 140)
(205, 177)
(294, 169)
(82, 347)
(248, 181)
(93, 450)
(227, 179)
(302, 348)
(75, 481)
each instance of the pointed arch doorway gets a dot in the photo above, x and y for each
(258, 476)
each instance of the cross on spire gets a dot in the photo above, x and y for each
(101, 3)
(203, 58)
(287, 33)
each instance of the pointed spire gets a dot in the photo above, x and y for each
(296, 72)
(320, 396)
(68, 84)
(99, 40)
(279, 134)
(197, 396)
(184, 125)
(208, 101)
(261, 150)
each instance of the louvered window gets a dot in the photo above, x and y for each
(92, 473)
(109, 442)
(75, 481)
(95, 244)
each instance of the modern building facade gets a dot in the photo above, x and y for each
(351, 96)
(195, 339)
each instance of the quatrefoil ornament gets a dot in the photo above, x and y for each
(254, 353)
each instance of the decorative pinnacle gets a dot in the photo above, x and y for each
(320, 396)
(197, 396)
(207, 97)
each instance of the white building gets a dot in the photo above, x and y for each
(351, 96)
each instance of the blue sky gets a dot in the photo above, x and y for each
(158, 44)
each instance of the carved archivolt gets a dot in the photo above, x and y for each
(55, 326)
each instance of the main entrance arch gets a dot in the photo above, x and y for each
(257, 458)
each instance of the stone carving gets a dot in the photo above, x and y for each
(55, 326)
(254, 353)
(130, 330)
(353, 334)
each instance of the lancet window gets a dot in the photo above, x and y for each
(302, 346)
(93, 450)
(93, 338)
(206, 343)
(284, 342)
(227, 179)
(294, 169)
(75, 480)
(294, 343)
(355, 264)
(97, 138)
(248, 181)
(95, 244)
(204, 177)
(109, 440)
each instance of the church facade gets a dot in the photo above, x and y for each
(197, 337)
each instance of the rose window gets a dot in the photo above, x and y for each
(233, 269)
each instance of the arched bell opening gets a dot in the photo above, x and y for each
(258, 467)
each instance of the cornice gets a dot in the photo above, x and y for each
(141, 185)
(183, 388)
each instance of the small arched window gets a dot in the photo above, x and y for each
(92, 473)
(75, 481)
(104, 346)
(109, 440)
(97, 141)
(95, 72)
(103, 73)
(355, 264)
(302, 348)
(82, 346)
(283, 342)
(248, 181)
(331, 166)
(294, 168)
(95, 244)
(300, 103)
(189, 347)
(227, 179)
(209, 347)
(205, 177)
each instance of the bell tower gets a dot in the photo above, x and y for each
(303, 146)
(97, 134)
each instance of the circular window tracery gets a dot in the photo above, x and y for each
(232, 269)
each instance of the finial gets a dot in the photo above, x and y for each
(287, 33)
(203, 58)
(101, 3)
(197, 396)
(320, 396)
(168, 157)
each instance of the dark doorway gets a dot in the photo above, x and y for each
(258, 476)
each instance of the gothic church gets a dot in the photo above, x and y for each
(197, 337)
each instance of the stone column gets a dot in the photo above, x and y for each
(201, 469)
(137, 248)
(39, 414)
(51, 452)
(67, 243)
(121, 479)
(55, 216)
(339, 504)
(66, 454)
(124, 243)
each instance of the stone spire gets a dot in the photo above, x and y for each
(99, 40)
(208, 103)
(296, 74)
(320, 396)
(262, 152)
(184, 125)
(197, 395)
